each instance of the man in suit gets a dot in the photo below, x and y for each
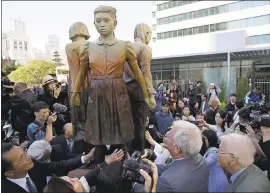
(21, 112)
(236, 156)
(62, 145)
(22, 174)
(204, 104)
(188, 171)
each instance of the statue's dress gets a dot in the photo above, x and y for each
(109, 117)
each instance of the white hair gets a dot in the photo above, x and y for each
(241, 146)
(188, 138)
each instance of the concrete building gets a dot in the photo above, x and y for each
(52, 45)
(211, 41)
(16, 44)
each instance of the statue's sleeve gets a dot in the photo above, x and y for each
(132, 61)
(84, 55)
(145, 60)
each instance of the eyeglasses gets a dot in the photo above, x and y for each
(220, 152)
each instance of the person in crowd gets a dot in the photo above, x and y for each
(266, 142)
(42, 127)
(159, 97)
(193, 106)
(191, 93)
(213, 92)
(179, 107)
(218, 181)
(211, 113)
(65, 142)
(186, 115)
(164, 118)
(238, 106)
(22, 174)
(204, 104)
(20, 105)
(230, 108)
(188, 171)
(172, 91)
(172, 106)
(200, 119)
(219, 128)
(50, 91)
(236, 156)
(255, 96)
(161, 152)
(199, 90)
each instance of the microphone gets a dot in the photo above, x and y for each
(58, 108)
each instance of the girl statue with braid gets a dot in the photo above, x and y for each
(109, 117)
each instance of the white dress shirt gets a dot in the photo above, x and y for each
(20, 182)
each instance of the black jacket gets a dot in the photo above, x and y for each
(39, 173)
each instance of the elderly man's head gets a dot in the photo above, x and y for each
(68, 130)
(184, 140)
(235, 152)
(19, 87)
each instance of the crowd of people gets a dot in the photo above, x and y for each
(191, 145)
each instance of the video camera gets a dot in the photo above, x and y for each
(256, 113)
(131, 169)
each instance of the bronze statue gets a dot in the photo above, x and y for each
(78, 34)
(109, 117)
(142, 37)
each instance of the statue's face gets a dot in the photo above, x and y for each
(104, 23)
(148, 37)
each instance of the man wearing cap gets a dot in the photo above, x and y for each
(78, 34)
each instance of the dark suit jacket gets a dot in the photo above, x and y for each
(252, 179)
(206, 107)
(40, 171)
(266, 150)
(60, 149)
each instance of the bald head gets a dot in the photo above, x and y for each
(187, 137)
(68, 129)
(240, 146)
(19, 87)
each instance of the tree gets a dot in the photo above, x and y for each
(9, 66)
(242, 87)
(222, 94)
(32, 72)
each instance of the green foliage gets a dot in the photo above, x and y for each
(222, 94)
(63, 71)
(9, 67)
(222, 105)
(32, 72)
(242, 88)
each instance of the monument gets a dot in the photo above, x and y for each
(109, 118)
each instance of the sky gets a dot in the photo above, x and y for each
(43, 18)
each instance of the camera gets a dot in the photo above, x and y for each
(131, 169)
(265, 121)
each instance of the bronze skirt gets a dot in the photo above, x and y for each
(109, 117)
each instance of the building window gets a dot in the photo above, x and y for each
(154, 39)
(236, 24)
(15, 44)
(259, 39)
(154, 14)
(154, 27)
(236, 6)
(25, 45)
(20, 44)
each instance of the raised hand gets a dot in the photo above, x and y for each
(117, 155)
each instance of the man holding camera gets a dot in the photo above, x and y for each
(188, 171)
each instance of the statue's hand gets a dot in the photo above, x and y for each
(152, 101)
(75, 99)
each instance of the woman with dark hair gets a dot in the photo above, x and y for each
(180, 105)
(217, 179)
(193, 105)
(219, 128)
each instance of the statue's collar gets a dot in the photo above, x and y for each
(109, 43)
